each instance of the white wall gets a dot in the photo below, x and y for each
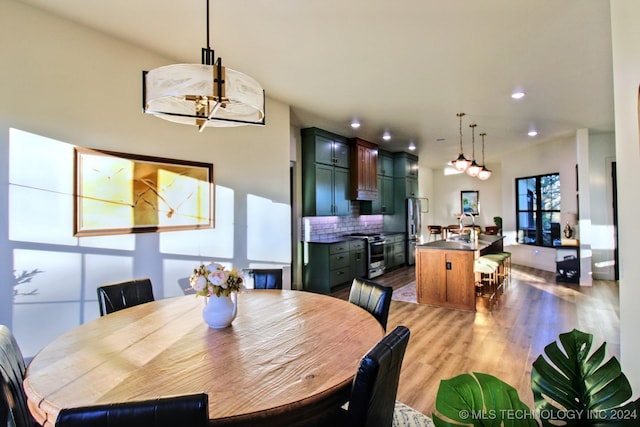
(446, 204)
(601, 155)
(626, 73)
(543, 158)
(64, 85)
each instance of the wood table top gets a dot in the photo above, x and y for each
(288, 355)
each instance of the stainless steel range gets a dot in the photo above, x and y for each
(375, 253)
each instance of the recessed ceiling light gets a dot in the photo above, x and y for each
(517, 94)
(412, 145)
(386, 135)
(355, 124)
(532, 133)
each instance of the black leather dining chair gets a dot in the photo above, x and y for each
(374, 389)
(267, 278)
(373, 297)
(13, 400)
(188, 410)
(118, 296)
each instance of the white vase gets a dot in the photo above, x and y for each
(219, 312)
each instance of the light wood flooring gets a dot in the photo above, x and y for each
(532, 313)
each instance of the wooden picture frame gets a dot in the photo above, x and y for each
(470, 202)
(120, 193)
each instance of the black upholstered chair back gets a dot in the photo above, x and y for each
(190, 410)
(373, 297)
(117, 296)
(375, 386)
(267, 278)
(13, 401)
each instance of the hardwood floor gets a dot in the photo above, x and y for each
(532, 313)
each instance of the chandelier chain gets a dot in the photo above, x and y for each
(473, 141)
(460, 115)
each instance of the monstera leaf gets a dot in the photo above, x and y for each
(573, 387)
(480, 400)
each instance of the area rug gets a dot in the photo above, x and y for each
(406, 416)
(407, 293)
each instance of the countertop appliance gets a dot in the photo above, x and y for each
(414, 227)
(375, 253)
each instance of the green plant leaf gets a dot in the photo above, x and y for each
(572, 387)
(479, 400)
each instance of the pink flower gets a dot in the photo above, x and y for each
(219, 278)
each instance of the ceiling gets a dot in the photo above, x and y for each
(406, 66)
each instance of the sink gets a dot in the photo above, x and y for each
(459, 238)
(448, 244)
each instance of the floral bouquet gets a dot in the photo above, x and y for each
(214, 280)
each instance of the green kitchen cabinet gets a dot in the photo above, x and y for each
(358, 253)
(330, 265)
(325, 174)
(405, 165)
(385, 163)
(394, 246)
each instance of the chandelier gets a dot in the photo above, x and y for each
(461, 163)
(473, 169)
(203, 94)
(484, 173)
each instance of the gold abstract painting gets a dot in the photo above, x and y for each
(118, 193)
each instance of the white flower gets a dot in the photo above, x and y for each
(198, 283)
(214, 266)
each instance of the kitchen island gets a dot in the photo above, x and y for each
(444, 271)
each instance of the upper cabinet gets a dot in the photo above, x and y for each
(330, 149)
(385, 163)
(364, 170)
(325, 173)
(405, 170)
(405, 165)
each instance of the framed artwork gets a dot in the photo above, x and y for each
(119, 193)
(469, 202)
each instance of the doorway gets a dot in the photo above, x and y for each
(614, 192)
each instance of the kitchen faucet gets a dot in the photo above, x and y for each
(472, 236)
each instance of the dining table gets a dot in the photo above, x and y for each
(289, 356)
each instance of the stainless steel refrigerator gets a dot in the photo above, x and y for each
(413, 210)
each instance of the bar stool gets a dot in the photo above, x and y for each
(504, 258)
(434, 230)
(487, 280)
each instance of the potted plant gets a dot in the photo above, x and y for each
(497, 220)
(571, 387)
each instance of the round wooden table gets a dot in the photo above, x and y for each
(288, 356)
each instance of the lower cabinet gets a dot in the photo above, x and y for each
(358, 252)
(445, 278)
(394, 247)
(331, 265)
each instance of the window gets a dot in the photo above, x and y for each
(538, 210)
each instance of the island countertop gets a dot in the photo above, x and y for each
(484, 241)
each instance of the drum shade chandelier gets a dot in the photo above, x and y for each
(461, 163)
(206, 94)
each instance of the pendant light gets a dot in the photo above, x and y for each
(203, 94)
(484, 173)
(461, 163)
(473, 168)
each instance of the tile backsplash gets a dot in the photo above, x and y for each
(326, 227)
